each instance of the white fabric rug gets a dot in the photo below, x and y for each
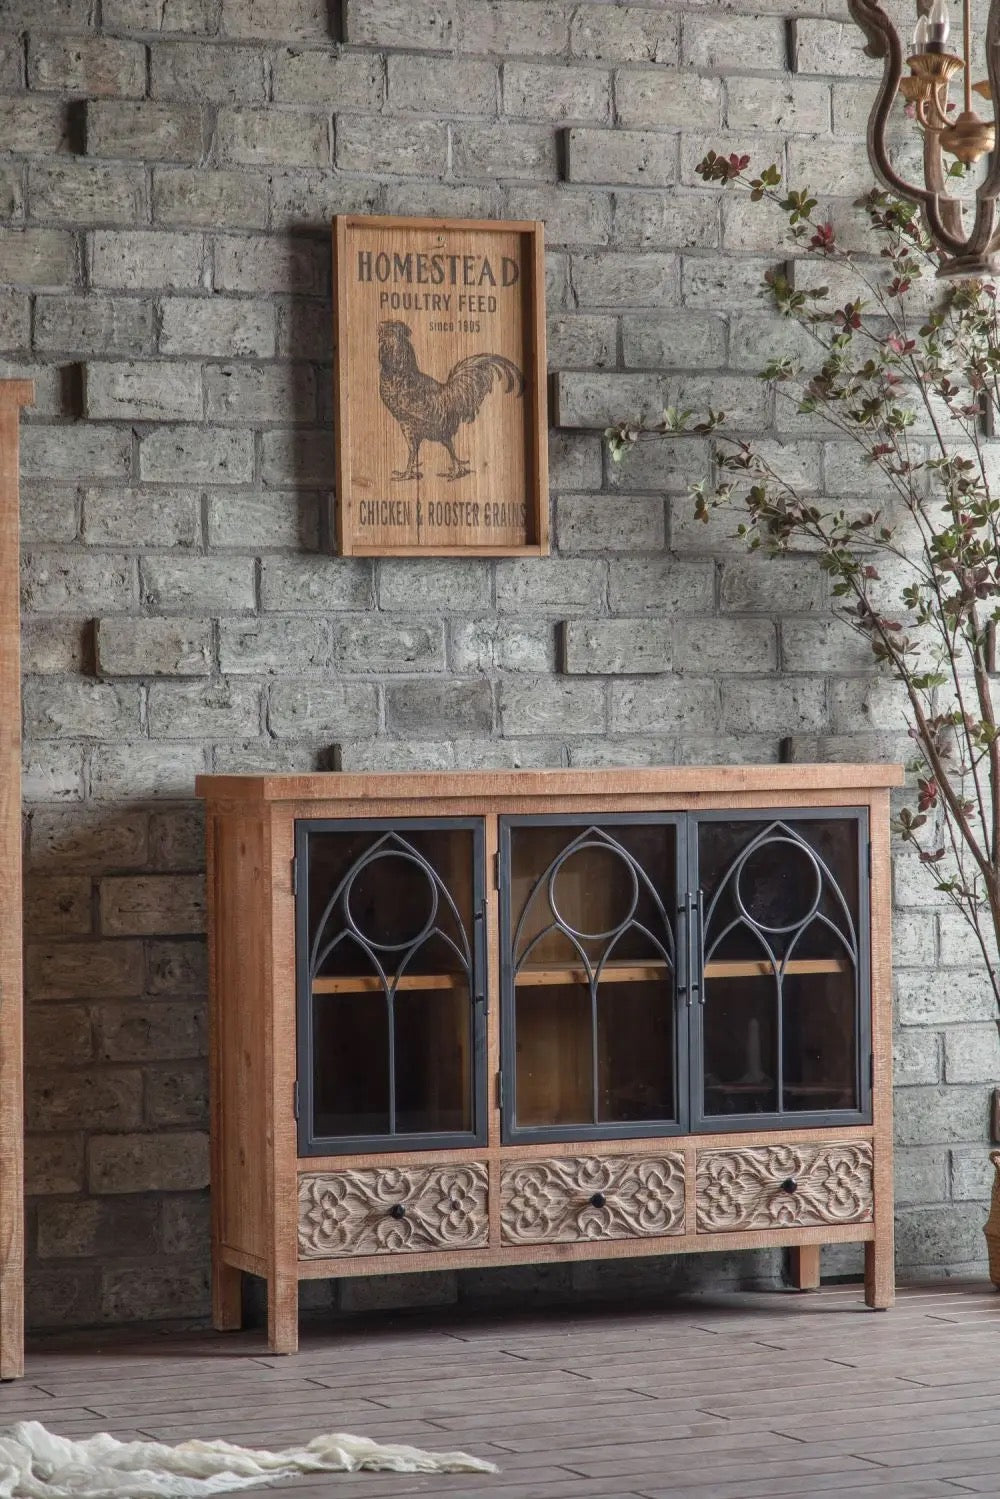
(38, 1464)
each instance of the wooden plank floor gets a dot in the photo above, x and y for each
(713, 1397)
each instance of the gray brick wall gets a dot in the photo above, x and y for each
(168, 171)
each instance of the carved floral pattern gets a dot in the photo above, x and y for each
(548, 1201)
(740, 1189)
(351, 1212)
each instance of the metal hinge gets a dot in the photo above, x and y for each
(869, 860)
(295, 1098)
(871, 1069)
(496, 870)
(295, 876)
(499, 1082)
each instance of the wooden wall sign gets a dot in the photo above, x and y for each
(439, 386)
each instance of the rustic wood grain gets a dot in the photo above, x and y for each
(13, 395)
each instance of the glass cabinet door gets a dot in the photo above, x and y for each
(783, 968)
(391, 985)
(592, 1035)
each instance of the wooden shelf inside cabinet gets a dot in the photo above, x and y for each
(370, 983)
(644, 973)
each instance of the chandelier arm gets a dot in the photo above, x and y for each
(949, 208)
(883, 41)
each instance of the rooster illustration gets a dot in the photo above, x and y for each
(426, 409)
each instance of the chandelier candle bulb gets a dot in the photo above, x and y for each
(938, 23)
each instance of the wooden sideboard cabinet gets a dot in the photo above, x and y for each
(488, 1019)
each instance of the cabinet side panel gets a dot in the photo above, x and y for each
(240, 1053)
(11, 1136)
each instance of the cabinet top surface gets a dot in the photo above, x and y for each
(471, 785)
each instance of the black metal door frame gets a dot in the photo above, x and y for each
(309, 1144)
(511, 1133)
(700, 1123)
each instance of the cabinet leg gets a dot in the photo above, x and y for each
(227, 1296)
(805, 1267)
(880, 1273)
(283, 1314)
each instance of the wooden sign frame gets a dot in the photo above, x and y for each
(440, 400)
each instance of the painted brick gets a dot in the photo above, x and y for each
(266, 393)
(504, 150)
(79, 709)
(297, 20)
(151, 1033)
(923, 999)
(774, 707)
(938, 1116)
(194, 455)
(145, 258)
(53, 1164)
(368, 643)
(296, 266)
(289, 583)
(725, 646)
(142, 1163)
(15, 320)
(627, 34)
(652, 99)
(34, 126)
(273, 137)
(217, 326)
(971, 1053)
(154, 647)
(94, 67)
(734, 44)
(508, 28)
(52, 773)
(191, 196)
(426, 25)
(49, 514)
(537, 91)
(141, 517)
(143, 771)
(753, 586)
(198, 584)
(139, 905)
(196, 16)
(71, 583)
(572, 216)
(84, 970)
(149, 391)
(407, 148)
(600, 523)
(450, 585)
(87, 840)
(614, 647)
(916, 1056)
(263, 521)
(52, 15)
(309, 709)
(616, 280)
(38, 257)
(57, 905)
(454, 708)
(89, 1100)
(502, 645)
(544, 706)
(550, 585)
(640, 157)
(832, 48)
(658, 221)
(430, 85)
(681, 338)
(277, 645)
(796, 105)
(166, 132)
(207, 75)
(660, 585)
(93, 324)
(667, 705)
(83, 194)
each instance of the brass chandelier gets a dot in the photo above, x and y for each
(965, 136)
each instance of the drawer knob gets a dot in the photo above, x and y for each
(789, 1185)
(598, 1200)
(397, 1210)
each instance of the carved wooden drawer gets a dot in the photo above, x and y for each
(784, 1186)
(398, 1210)
(570, 1199)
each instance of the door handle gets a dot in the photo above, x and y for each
(685, 968)
(697, 943)
(479, 955)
